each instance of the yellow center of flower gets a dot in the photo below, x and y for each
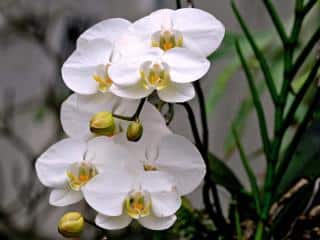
(102, 78)
(148, 167)
(167, 39)
(154, 75)
(138, 204)
(79, 174)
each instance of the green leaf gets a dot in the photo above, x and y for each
(256, 101)
(222, 175)
(249, 171)
(305, 161)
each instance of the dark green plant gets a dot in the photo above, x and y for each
(285, 155)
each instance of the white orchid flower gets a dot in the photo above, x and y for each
(111, 29)
(86, 70)
(70, 164)
(78, 110)
(178, 157)
(170, 73)
(150, 192)
(191, 28)
(119, 197)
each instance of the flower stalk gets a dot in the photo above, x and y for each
(135, 116)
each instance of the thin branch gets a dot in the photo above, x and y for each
(203, 114)
(207, 202)
(249, 171)
(259, 55)
(214, 213)
(178, 4)
(296, 139)
(136, 115)
(193, 124)
(309, 6)
(300, 95)
(298, 20)
(305, 52)
(205, 151)
(190, 3)
(257, 103)
(276, 21)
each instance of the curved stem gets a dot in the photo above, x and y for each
(265, 68)
(136, 115)
(309, 6)
(205, 150)
(296, 102)
(190, 3)
(305, 52)
(178, 3)
(249, 171)
(257, 103)
(276, 20)
(203, 114)
(296, 139)
(193, 124)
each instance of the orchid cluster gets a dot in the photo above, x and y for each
(119, 154)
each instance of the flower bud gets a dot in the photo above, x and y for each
(134, 131)
(103, 124)
(71, 225)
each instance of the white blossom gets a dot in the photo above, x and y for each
(191, 28)
(86, 70)
(78, 110)
(170, 73)
(70, 164)
(150, 190)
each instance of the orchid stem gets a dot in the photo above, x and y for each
(215, 214)
(135, 116)
(220, 222)
(193, 124)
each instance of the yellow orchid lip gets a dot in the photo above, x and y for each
(138, 204)
(154, 75)
(167, 39)
(149, 167)
(102, 78)
(80, 173)
(104, 82)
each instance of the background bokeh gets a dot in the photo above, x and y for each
(35, 37)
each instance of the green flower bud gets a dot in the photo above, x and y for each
(134, 131)
(71, 225)
(103, 124)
